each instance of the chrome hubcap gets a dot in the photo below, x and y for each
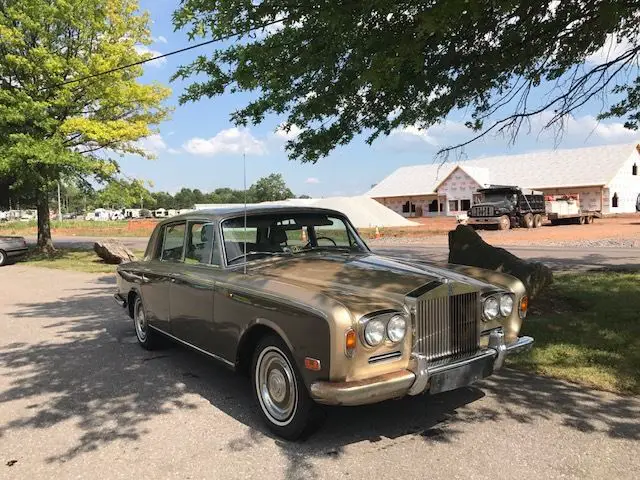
(276, 386)
(141, 323)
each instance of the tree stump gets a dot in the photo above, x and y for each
(113, 252)
(466, 247)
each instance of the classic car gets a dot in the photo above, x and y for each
(293, 297)
(11, 248)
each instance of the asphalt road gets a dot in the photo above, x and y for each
(80, 399)
(558, 258)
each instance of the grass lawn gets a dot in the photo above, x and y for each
(71, 259)
(587, 330)
(84, 228)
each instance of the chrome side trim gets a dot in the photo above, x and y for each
(198, 349)
(384, 356)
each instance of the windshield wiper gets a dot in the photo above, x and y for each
(326, 247)
(255, 253)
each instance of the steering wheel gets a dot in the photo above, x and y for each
(321, 238)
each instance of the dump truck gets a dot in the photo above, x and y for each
(509, 206)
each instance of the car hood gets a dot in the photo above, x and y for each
(365, 281)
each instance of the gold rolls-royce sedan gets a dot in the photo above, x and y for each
(294, 297)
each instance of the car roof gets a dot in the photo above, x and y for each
(229, 212)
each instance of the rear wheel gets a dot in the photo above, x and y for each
(537, 220)
(589, 219)
(505, 223)
(527, 220)
(147, 337)
(3, 258)
(581, 220)
(283, 400)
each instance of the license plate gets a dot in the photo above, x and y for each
(461, 376)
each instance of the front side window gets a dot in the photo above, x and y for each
(173, 243)
(270, 235)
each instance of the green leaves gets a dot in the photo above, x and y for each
(53, 128)
(337, 69)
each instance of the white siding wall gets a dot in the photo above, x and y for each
(626, 185)
(459, 186)
(396, 203)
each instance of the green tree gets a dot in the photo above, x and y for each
(163, 200)
(339, 68)
(121, 193)
(50, 129)
(271, 188)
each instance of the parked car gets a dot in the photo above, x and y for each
(294, 297)
(11, 248)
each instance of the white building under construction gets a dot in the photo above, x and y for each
(606, 178)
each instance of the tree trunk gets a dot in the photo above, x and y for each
(44, 226)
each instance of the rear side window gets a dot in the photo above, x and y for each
(173, 243)
(201, 243)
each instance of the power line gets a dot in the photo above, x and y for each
(174, 52)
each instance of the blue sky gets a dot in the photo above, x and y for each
(200, 148)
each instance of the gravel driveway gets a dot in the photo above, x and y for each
(79, 399)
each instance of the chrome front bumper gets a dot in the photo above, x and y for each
(483, 220)
(421, 376)
(120, 300)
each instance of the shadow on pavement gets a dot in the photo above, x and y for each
(93, 374)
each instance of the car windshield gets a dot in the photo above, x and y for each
(498, 197)
(268, 235)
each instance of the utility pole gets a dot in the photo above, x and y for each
(59, 207)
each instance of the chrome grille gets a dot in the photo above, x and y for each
(447, 326)
(480, 211)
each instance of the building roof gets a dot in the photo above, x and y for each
(538, 170)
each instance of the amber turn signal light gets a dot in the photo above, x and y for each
(312, 364)
(524, 305)
(350, 342)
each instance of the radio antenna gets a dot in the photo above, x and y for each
(244, 174)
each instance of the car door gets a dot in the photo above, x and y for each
(158, 274)
(192, 288)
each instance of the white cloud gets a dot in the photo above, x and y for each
(588, 126)
(613, 47)
(575, 130)
(229, 141)
(313, 180)
(152, 144)
(144, 50)
(173, 150)
(161, 39)
(293, 132)
(435, 135)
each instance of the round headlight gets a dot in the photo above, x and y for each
(374, 333)
(506, 305)
(491, 308)
(396, 328)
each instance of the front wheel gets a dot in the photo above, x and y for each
(505, 223)
(285, 404)
(3, 258)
